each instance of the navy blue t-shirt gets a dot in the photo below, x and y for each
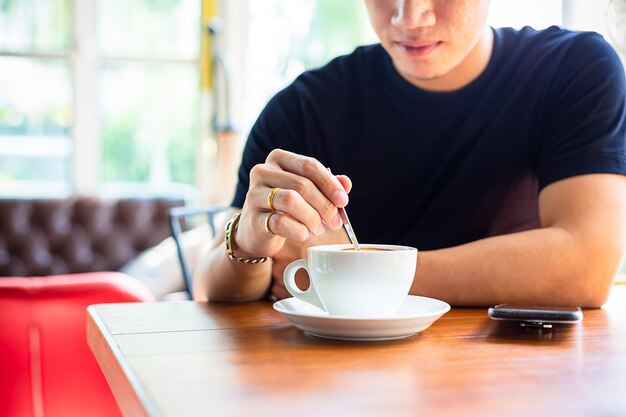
(438, 169)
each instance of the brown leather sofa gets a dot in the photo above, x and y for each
(81, 234)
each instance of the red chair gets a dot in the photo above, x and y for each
(46, 366)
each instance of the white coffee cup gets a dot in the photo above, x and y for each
(345, 282)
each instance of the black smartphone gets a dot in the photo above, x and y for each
(536, 314)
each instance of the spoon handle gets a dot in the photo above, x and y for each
(347, 226)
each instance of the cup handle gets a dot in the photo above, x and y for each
(309, 296)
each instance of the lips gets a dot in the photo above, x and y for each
(418, 49)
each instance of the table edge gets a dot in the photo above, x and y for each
(128, 392)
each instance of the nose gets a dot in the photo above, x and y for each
(412, 14)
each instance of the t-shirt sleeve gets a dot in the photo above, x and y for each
(276, 127)
(585, 128)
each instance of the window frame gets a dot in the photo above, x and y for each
(85, 61)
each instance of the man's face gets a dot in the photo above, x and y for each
(429, 39)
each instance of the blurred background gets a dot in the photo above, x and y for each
(119, 98)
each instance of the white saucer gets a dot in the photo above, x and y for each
(415, 315)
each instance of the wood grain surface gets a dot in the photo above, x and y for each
(191, 359)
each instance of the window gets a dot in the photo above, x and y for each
(35, 97)
(283, 38)
(102, 96)
(148, 84)
(99, 96)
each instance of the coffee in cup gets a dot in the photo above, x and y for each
(372, 282)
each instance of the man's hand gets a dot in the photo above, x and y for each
(305, 203)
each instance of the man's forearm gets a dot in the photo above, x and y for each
(549, 266)
(217, 278)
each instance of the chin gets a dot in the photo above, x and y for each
(422, 74)
(420, 69)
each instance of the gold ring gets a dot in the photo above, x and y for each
(267, 225)
(270, 199)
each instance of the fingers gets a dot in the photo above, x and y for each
(345, 182)
(314, 171)
(293, 197)
(293, 204)
(283, 225)
(298, 197)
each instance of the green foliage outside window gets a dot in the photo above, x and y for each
(339, 26)
(31, 25)
(123, 158)
(336, 28)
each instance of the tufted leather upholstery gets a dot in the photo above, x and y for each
(82, 234)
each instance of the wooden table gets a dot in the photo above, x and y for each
(191, 359)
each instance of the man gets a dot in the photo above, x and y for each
(500, 154)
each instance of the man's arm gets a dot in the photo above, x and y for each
(218, 278)
(571, 260)
(304, 197)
